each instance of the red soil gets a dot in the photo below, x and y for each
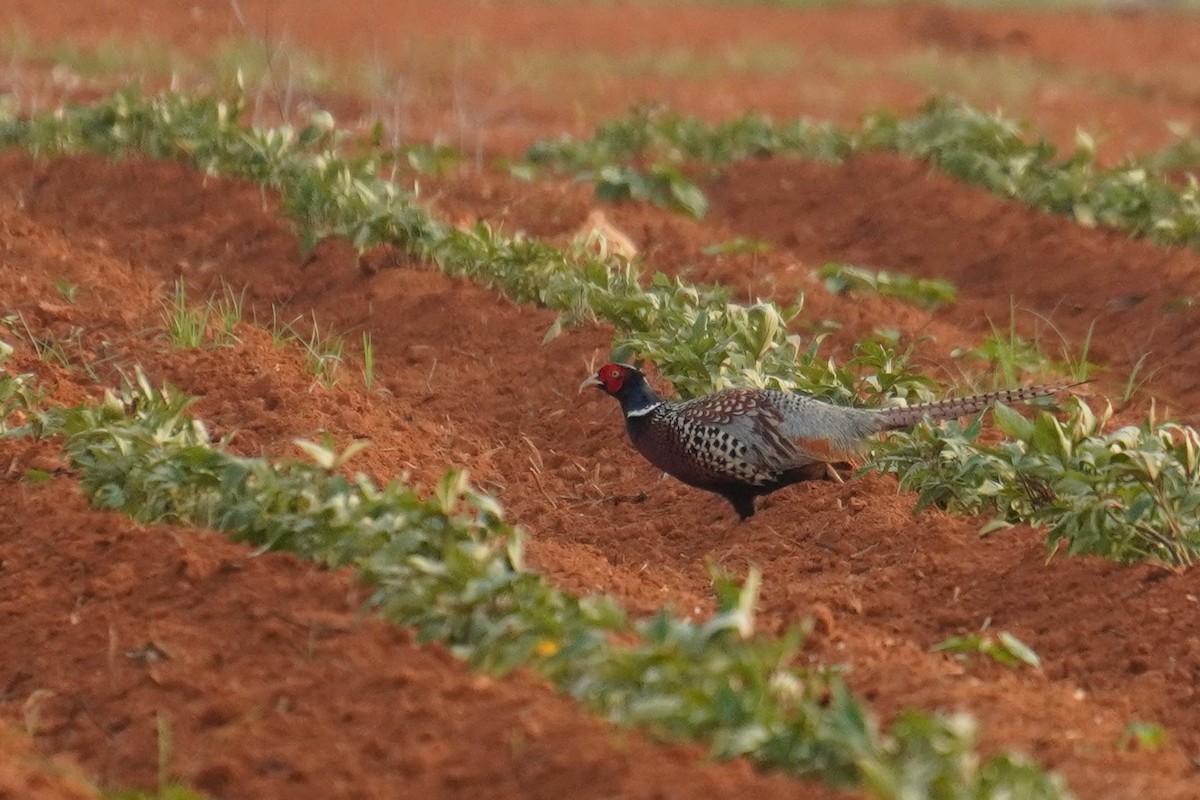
(270, 684)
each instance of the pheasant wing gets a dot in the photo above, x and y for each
(759, 449)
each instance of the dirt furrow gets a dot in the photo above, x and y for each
(270, 684)
(470, 382)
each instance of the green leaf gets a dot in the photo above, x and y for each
(993, 526)
(1019, 650)
(1147, 736)
(322, 456)
(689, 198)
(1011, 423)
(1049, 438)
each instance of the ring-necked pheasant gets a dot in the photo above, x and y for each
(742, 443)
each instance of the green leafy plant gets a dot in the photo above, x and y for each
(1129, 494)
(655, 134)
(662, 184)
(988, 150)
(924, 292)
(323, 352)
(19, 394)
(1013, 357)
(186, 326)
(1183, 153)
(665, 140)
(228, 312)
(281, 330)
(430, 159)
(191, 326)
(1003, 648)
(696, 336)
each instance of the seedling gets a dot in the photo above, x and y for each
(186, 326)
(67, 290)
(51, 349)
(325, 456)
(368, 367)
(282, 331)
(1130, 494)
(1013, 357)
(19, 393)
(227, 310)
(1140, 735)
(323, 352)
(1135, 381)
(1003, 648)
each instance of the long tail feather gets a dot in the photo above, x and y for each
(892, 419)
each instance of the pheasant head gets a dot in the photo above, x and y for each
(628, 385)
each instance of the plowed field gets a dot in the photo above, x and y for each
(271, 683)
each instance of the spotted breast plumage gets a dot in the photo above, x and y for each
(743, 443)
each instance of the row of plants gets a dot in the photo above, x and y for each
(697, 337)
(451, 567)
(1128, 494)
(1139, 195)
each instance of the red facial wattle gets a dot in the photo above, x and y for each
(612, 376)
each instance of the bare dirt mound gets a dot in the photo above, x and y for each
(26, 773)
(271, 685)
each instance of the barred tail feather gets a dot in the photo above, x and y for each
(891, 419)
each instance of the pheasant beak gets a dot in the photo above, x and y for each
(590, 380)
